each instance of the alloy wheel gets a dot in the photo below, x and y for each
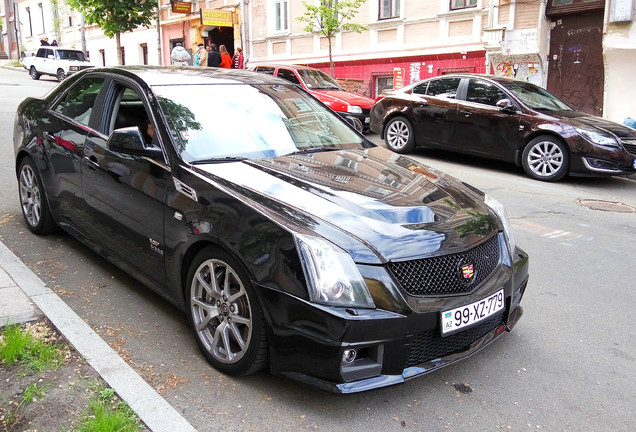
(30, 196)
(221, 311)
(398, 134)
(545, 159)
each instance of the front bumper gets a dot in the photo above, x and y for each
(397, 341)
(594, 160)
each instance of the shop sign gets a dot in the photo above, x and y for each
(181, 7)
(398, 78)
(216, 18)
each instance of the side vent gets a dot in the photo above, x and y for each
(185, 189)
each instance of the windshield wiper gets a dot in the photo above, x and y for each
(219, 159)
(313, 150)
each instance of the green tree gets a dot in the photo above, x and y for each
(331, 17)
(116, 16)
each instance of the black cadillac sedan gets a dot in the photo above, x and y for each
(292, 243)
(505, 119)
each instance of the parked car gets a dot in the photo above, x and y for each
(325, 88)
(56, 61)
(505, 119)
(292, 242)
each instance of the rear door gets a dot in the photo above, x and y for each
(64, 136)
(481, 127)
(124, 193)
(434, 108)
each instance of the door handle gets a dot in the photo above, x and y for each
(91, 162)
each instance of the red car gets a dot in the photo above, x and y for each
(323, 87)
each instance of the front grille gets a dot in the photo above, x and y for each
(430, 345)
(441, 275)
(630, 146)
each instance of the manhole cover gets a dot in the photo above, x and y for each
(610, 206)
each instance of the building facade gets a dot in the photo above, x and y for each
(582, 50)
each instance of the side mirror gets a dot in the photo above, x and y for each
(129, 140)
(506, 105)
(355, 122)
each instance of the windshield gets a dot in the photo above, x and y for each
(228, 121)
(71, 55)
(318, 80)
(536, 98)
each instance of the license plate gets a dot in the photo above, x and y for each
(368, 120)
(459, 318)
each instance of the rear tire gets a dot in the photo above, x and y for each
(399, 135)
(33, 201)
(34, 73)
(225, 314)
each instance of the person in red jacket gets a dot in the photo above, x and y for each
(237, 60)
(226, 60)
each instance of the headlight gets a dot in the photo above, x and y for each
(503, 215)
(354, 109)
(597, 137)
(332, 276)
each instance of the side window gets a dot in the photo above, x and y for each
(129, 111)
(484, 92)
(288, 75)
(443, 88)
(41, 53)
(80, 99)
(420, 88)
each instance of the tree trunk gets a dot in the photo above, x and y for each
(330, 58)
(118, 40)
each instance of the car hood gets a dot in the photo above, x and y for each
(345, 97)
(377, 205)
(617, 129)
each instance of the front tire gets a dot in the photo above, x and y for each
(33, 201)
(60, 75)
(34, 73)
(225, 314)
(399, 135)
(546, 158)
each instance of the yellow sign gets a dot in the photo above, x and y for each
(216, 17)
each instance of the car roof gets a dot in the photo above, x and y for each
(280, 65)
(187, 75)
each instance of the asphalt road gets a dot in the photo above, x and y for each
(569, 365)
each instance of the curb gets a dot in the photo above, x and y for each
(20, 289)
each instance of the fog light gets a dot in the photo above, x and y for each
(349, 356)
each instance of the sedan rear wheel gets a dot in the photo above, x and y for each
(225, 314)
(35, 207)
(399, 135)
(34, 73)
(546, 158)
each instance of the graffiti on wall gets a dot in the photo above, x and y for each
(527, 68)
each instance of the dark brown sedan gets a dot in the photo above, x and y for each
(504, 119)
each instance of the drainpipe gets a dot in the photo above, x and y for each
(159, 32)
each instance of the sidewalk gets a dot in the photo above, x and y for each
(24, 297)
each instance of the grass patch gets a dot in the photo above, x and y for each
(107, 413)
(33, 351)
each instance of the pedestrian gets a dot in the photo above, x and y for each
(237, 60)
(226, 60)
(45, 42)
(54, 43)
(214, 57)
(203, 56)
(179, 55)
